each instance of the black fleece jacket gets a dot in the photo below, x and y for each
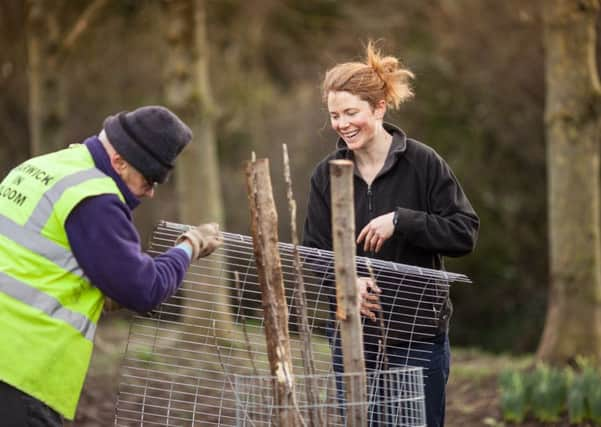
(435, 218)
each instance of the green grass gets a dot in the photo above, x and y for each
(475, 364)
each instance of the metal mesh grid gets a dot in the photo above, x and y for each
(395, 398)
(181, 360)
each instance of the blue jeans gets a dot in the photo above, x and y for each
(435, 359)
(18, 409)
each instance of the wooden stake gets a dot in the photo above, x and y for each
(264, 224)
(347, 312)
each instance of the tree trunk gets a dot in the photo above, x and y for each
(187, 91)
(47, 102)
(573, 325)
(253, 71)
(47, 50)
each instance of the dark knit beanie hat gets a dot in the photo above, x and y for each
(149, 138)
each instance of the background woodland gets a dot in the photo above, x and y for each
(257, 67)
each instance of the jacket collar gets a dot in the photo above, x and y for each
(103, 163)
(397, 148)
(399, 142)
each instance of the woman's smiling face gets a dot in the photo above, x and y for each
(354, 119)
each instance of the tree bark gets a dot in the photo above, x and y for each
(188, 94)
(264, 224)
(347, 298)
(47, 49)
(47, 102)
(573, 324)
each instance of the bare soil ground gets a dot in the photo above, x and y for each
(471, 394)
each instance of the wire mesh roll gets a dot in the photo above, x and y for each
(182, 359)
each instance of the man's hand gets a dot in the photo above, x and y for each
(376, 232)
(369, 297)
(203, 239)
(110, 305)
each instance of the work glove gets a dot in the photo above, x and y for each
(203, 239)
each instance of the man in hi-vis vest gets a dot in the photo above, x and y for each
(67, 241)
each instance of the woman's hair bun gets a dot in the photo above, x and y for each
(394, 77)
(378, 78)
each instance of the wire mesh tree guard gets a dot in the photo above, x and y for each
(395, 398)
(199, 359)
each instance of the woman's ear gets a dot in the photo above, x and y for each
(380, 109)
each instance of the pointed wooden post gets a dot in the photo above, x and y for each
(264, 223)
(347, 312)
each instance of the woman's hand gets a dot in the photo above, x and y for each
(369, 297)
(376, 232)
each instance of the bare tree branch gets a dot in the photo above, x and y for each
(301, 305)
(81, 24)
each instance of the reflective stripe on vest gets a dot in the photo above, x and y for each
(39, 244)
(44, 208)
(49, 305)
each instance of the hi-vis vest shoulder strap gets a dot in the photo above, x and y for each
(48, 308)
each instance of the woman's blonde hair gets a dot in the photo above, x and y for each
(373, 80)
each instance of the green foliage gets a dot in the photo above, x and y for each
(587, 387)
(545, 393)
(146, 354)
(576, 403)
(592, 379)
(594, 400)
(513, 396)
(548, 393)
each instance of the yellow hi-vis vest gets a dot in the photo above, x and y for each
(48, 308)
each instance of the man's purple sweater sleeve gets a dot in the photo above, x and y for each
(107, 247)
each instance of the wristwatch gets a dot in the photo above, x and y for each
(395, 218)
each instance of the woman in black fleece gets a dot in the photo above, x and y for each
(409, 206)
